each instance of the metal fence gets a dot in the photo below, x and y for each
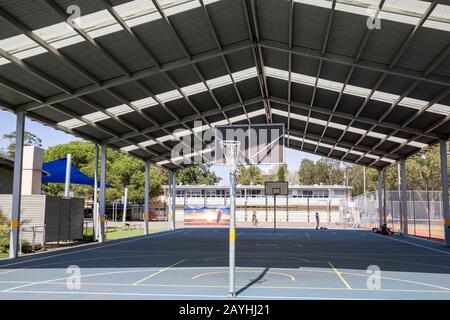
(423, 207)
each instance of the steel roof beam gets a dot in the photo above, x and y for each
(335, 58)
(187, 119)
(392, 64)
(252, 29)
(359, 53)
(350, 116)
(413, 85)
(291, 41)
(224, 58)
(29, 68)
(319, 68)
(189, 56)
(136, 76)
(440, 96)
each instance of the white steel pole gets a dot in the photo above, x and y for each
(101, 217)
(68, 173)
(445, 201)
(404, 215)
(380, 197)
(146, 196)
(364, 187)
(232, 236)
(95, 208)
(174, 199)
(17, 187)
(125, 203)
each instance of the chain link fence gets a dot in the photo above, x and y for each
(423, 207)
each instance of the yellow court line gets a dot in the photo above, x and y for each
(245, 271)
(158, 272)
(340, 276)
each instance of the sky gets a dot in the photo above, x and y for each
(51, 137)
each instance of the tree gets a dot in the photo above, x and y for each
(197, 175)
(251, 175)
(121, 171)
(324, 171)
(281, 173)
(29, 139)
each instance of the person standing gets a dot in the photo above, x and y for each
(317, 221)
(254, 219)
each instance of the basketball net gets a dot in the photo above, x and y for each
(231, 150)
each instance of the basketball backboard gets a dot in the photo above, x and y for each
(274, 188)
(259, 144)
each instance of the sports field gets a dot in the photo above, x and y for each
(192, 264)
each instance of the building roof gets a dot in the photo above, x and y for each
(261, 187)
(134, 74)
(6, 162)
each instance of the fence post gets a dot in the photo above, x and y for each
(428, 209)
(33, 229)
(413, 209)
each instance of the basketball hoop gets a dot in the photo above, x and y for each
(231, 150)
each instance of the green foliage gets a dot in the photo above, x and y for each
(25, 246)
(197, 175)
(324, 171)
(422, 170)
(4, 244)
(29, 138)
(250, 175)
(121, 171)
(281, 173)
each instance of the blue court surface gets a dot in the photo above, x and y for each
(192, 264)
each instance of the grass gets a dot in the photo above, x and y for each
(4, 255)
(118, 233)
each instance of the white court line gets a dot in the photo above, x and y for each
(301, 269)
(100, 246)
(222, 297)
(156, 285)
(412, 243)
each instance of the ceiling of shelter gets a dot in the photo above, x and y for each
(137, 75)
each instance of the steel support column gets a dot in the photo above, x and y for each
(404, 213)
(445, 201)
(380, 197)
(174, 199)
(146, 196)
(102, 211)
(384, 197)
(17, 187)
(232, 236)
(95, 206)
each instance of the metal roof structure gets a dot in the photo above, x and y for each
(130, 73)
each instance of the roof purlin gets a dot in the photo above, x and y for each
(392, 64)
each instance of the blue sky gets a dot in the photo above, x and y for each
(51, 137)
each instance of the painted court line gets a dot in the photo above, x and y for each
(89, 249)
(222, 297)
(340, 276)
(243, 271)
(103, 284)
(414, 244)
(159, 272)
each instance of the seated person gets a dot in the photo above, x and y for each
(383, 229)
